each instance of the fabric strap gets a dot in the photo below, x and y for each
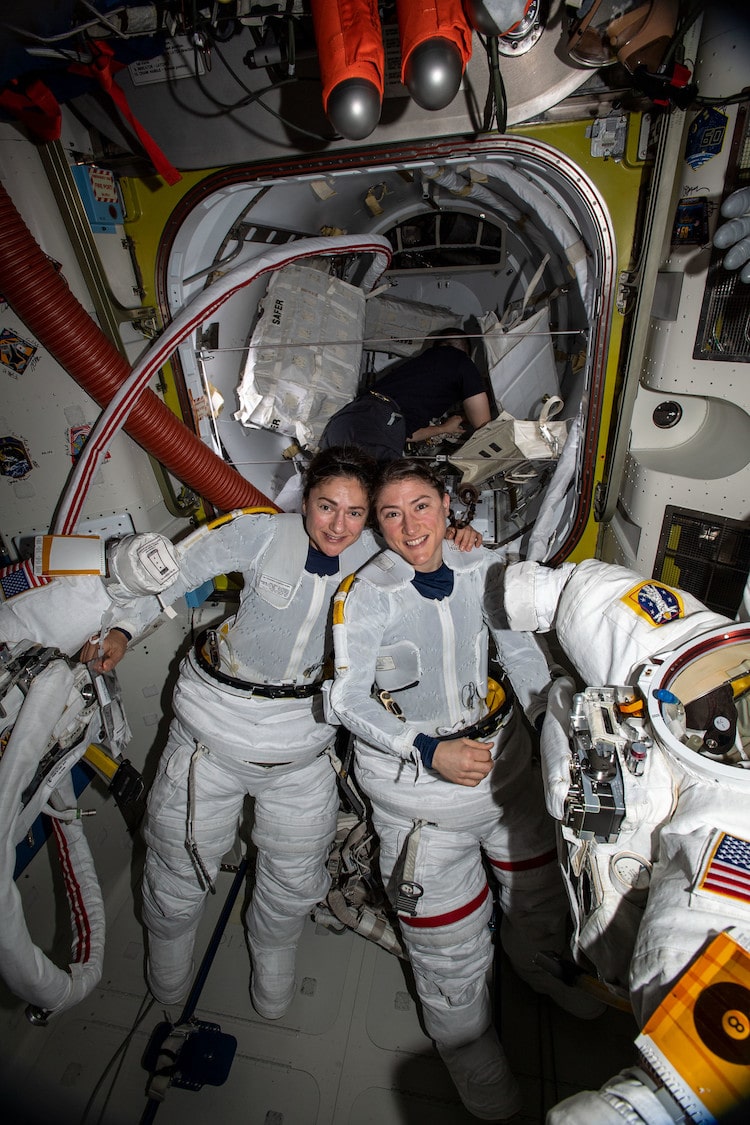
(102, 68)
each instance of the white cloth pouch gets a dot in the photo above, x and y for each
(507, 443)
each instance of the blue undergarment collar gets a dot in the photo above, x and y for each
(318, 563)
(436, 584)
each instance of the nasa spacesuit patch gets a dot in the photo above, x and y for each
(654, 602)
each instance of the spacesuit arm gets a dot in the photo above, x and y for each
(206, 553)
(532, 592)
(527, 669)
(360, 620)
(519, 652)
(555, 746)
(63, 614)
(608, 619)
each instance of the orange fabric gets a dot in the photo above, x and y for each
(350, 42)
(419, 20)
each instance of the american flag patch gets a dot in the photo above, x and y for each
(18, 578)
(727, 870)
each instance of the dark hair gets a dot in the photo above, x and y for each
(451, 337)
(340, 461)
(406, 468)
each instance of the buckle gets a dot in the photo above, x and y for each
(391, 705)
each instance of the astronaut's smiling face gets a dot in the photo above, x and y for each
(335, 514)
(412, 517)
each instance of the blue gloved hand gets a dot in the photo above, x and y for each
(734, 235)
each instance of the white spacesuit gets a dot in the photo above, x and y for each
(669, 810)
(50, 711)
(429, 661)
(229, 738)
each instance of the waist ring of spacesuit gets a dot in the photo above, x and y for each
(500, 700)
(268, 691)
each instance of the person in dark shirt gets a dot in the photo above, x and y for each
(403, 403)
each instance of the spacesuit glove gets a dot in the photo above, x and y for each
(555, 746)
(734, 235)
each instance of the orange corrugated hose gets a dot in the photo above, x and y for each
(39, 295)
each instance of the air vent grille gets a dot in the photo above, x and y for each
(709, 556)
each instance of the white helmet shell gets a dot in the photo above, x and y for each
(698, 667)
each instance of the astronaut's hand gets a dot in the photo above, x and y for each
(734, 235)
(464, 761)
(453, 425)
(103, 656)
(465, 538)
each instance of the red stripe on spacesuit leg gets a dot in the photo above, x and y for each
(451, 916)
(526, 864)
(78, 915)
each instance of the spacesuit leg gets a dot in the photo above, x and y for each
(522, 850)
(450, 950)
(173, 892)
(294, 827)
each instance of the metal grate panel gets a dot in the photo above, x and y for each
(708, 556)
(724, 324)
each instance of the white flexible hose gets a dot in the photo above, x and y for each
(112, 419)
(28, 972)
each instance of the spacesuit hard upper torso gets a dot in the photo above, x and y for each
(431, 656)
(640, 903)
(64, 613)
(279, 635)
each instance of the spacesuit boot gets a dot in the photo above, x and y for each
(568, 997)
(483, 1078)
(272, 983)
(523, 959)
(170, 967)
